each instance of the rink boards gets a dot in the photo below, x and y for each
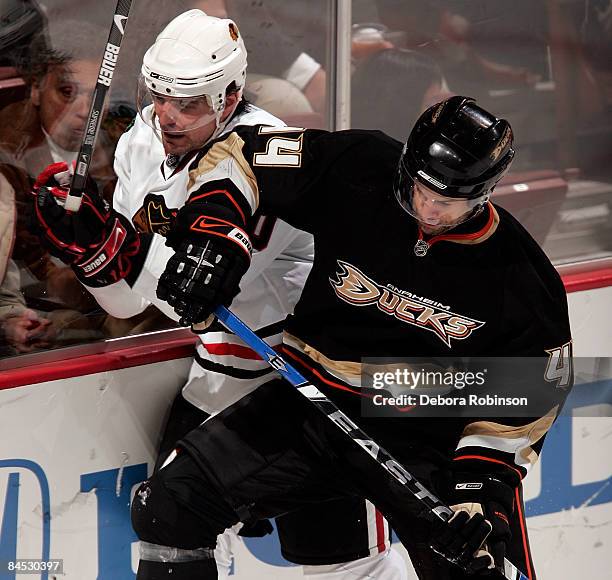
(73, 450)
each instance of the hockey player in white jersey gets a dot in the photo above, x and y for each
(189, 93)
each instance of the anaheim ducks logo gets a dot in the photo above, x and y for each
(353, 286)
(154, 216)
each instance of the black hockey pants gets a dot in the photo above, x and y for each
(272, 453)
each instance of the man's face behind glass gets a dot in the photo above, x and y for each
(63, 98)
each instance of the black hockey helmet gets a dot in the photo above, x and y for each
(456, 150)
(20, 22)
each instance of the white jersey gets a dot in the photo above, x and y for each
(224, 368)
(148, 193)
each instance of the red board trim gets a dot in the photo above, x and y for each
(175, 344)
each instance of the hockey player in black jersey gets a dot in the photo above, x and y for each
(411, 260)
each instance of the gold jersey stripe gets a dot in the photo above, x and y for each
(231, 148)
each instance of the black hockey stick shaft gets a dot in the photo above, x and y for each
(434, 508)
(105, 76)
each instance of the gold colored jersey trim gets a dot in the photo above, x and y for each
(231, 148)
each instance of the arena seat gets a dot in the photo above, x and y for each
(534, 198)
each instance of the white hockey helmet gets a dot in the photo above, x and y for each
(195, 56)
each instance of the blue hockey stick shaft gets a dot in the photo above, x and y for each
(435, 506)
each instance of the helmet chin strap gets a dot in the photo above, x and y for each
(471, 215)
(477, 209)
(220, 126)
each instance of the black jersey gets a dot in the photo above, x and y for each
(379, 288)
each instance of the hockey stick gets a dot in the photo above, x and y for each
(433, 506)
(105, 76)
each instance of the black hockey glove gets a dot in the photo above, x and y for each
(470, 495)
(97, 242)
(212, 255)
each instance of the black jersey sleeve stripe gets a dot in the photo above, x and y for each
(263, 332)
(233, 372)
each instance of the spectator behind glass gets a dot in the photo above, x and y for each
(47, 127)
(20, 22)
(21, 328)
(471, 41)
(287, 42)
(392, 88)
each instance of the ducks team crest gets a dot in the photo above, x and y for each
(353, 286)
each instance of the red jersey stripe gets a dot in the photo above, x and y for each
(237, 350)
